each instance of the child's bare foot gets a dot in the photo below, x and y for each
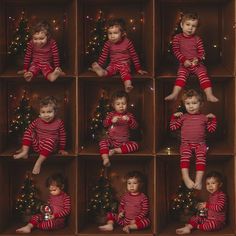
(184, 230)
(28, 76)
(128, 86)
(112, 152)
(107, 227)
(171, 97)
(36, 169)
(189, 183)
(55, 74)
(106, 161)
(25, 230)
(198, 180)
(210, 96)
(98, 70)
(126, 229)
(21, 154)
(19, 150)
(198, 185)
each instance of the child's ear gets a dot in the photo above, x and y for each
(181, 25)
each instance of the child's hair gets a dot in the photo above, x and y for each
(42, 26)
(117, 22)
(57, 179)
(136, 174)
(192, 93)
(215, 174)
(119, 94)
(190, 16)
(49, 100)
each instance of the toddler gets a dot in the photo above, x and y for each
(42, 54)
(44, 134)
(133, 208)
(188, 49)
(193, 126)
(215, 206)
(58, 201)
(118, 123)
(121, 51)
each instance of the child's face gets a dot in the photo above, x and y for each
(47, 113)
(133, 185)
(192, 105)
(114, 34)
(54, 189)
(189, 27)
(40, 39)
(120, 105)
(212, 185)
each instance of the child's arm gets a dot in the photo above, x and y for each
(104, 55)
(200, 49)
(176, 121)
(144, 209)
(55, 54)
(121, 208)
(28, 55)
(108, 120)
(66, 208)
(219, 205)
(211, 123)
(62, 138)
(132, 121)
(176, 49)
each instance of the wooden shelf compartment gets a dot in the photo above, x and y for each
(169, 178)
(140, 104)
(12, 91)
(89, 169)
(220, 142)
(216, 23)
(12, 178)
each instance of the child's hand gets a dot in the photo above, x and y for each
(210, 116)
(195, 61)
(125, 117)
(142, 72)
(201, 205)
(121, 215)
(178, 114)
(21, 72)
(187, 63)
(63, 152)
(115, 119)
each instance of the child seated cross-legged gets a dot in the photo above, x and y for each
(215, 206)
(118, 122)
(58, 201)
(133, 208)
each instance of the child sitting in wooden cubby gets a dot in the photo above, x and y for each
(193, 126)
(215, 207)
(59, 203)
(118, 123)
(44, 134)
(188, 49)
(133, 208)
(121, 51)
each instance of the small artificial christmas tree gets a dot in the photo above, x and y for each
(24, 114)
(102, 197)
(97, 129)
(27, 202)
(20, 37)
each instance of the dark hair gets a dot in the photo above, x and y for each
(190, 16)
(117, 22)
(42, 26)
(135, 174)
(57, 179)
(192, 93)
(49, 100)
(119, 94)
(215, 174)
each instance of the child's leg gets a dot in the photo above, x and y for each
(187, 180)
(128, 147)
(38, 163)
(174, 94)
(23, 153)
(210, 225)
(99, 70)
(198, 180)
(128, 86)
(55, 74)
(104, 151)
(184, 230)
(32, 72)
(124, 70)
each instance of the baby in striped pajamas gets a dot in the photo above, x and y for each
(58, 201)
(188, 49)
(215, 206)
(193, 126)
(118, 123)
(120, 51)
(133, 208)
(45, 134)
(42, 54)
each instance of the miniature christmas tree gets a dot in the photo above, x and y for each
(97, 129)
(102, 197)
(24, 114)
(20, 38)
(27, 201)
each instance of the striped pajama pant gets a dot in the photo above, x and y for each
(43, 146)
(122, 67)
(199, 70)
(205, 224)
(141, 223)
(38, 222)
(186, 150)
(126, 147)
(45, 68)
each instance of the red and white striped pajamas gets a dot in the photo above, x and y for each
(120, 55)
(188, 48)
(193, 132)
(44, 59)
(61, 207)
(215, 219)
(134, 207)
(45, 137)
(118, 134)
